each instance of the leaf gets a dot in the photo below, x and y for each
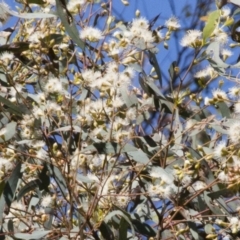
(236, 2)
(143, 228)
(2, 207)
(10, 132)
(15, 47)
(215, 209)
(123, 215)
(224, 109)
(84, 94)
(216, 62)
(39, 2)
(68, 128)
(106, 231)
(38, 234)
(30, 186)
(129, 99)
(58, 177)
(10, 226)
(154, 88)
(26, 15)
(210, 25)
(2, 185)
(139, 156)
(194, 230)
(11, 107)
(154, 63)
(223, 192)
(109, 148)
(71, 28)
(172, 73)
(123, 228)
(209, 229)
(11, 184)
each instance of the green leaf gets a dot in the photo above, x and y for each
(172, 74)
(84, 94)
(12, 108)
(32, 185)
(10, 226)
(71, 28)
(154, 62)
(194, 230)
(224, 109)
(143, 228)
(2, 185)
(109, 148)
(26, 15)
(39, 2)
(215, 61)
(38, 234)
(139, 156)
(236, 2)
(58, 177)
(211, 24)
(11, 184)
(15, 47)
(10, 132)
(106, 231)
(121, 213)
(129, 99)
(123, 228)
(154, 88)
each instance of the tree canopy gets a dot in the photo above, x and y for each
(97, 142)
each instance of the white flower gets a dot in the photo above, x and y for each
(122, 201)
(192, 38)
(221, 37)
(155, 172)
(234, 92)
(223, 177)
(131, 113)
(35, 37)
(208, 71)
(46, 201)
(53, 86)
(237, 108)
(226, 52)
(5, 165)
(26, 133)
(220, 150)
(140, 23)
(4, 8)
(225, 11)
(7, 56)
(234, 221)
(89, 76)
(74, 5)
(91, 34)
(207, 101)
(117, 102)
(186, 180)
(234, 132)
(172, 23)
(219, 94)
(93, 177)
(198, 185)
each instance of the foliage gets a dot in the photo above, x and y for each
(86, 154)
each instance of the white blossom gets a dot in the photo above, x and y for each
(91, 34)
